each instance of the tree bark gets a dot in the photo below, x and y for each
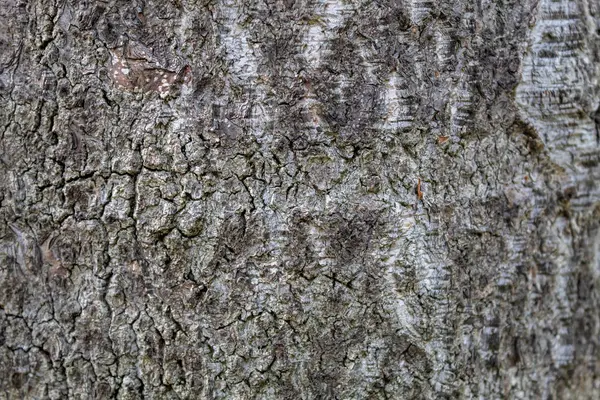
(299, 199)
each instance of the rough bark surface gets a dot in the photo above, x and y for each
(299, 199)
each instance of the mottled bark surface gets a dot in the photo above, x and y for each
(299, 199)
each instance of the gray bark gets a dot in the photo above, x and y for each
(299, 199)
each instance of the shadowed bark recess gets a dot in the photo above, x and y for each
(299, 199)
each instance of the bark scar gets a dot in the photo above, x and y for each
(419, 192)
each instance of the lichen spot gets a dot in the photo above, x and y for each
(125, 71)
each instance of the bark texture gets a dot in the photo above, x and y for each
(299, 199)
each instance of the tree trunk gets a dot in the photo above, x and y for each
(299, 199)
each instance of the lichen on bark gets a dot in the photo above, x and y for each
(326, 199)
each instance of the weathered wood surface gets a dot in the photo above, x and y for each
(299, 199)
